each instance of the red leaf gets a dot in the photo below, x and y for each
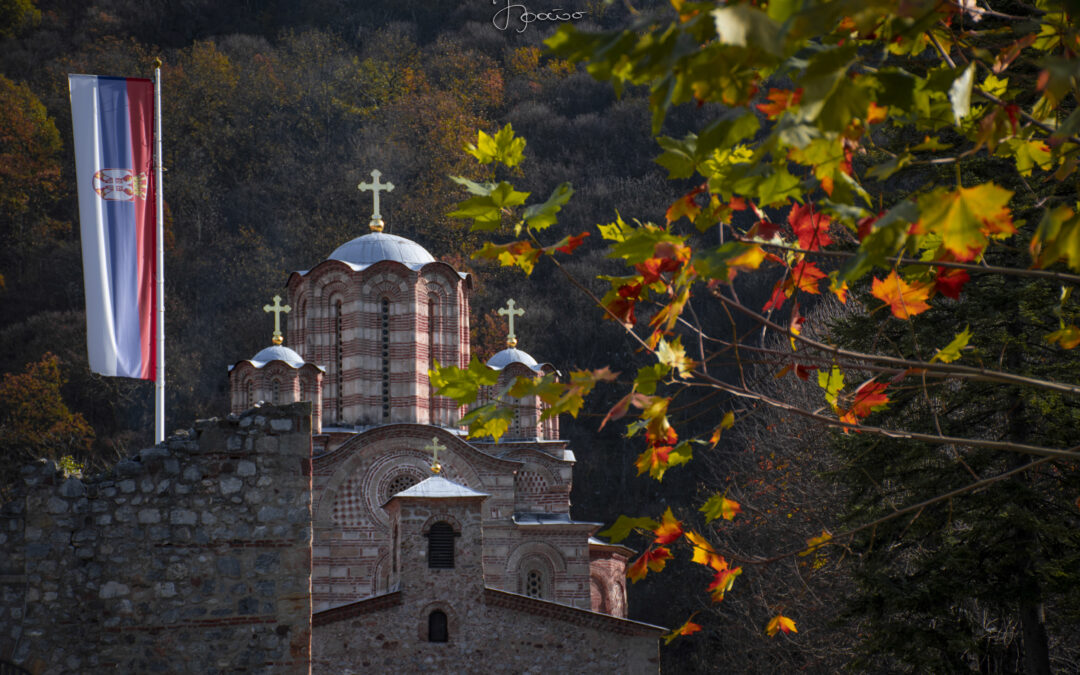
(868, 398)
(670, 529)
(812, 229)
(949, 282)
(777, 299)
(803, 372)
(805, 276)
(652, 560)
(572, 243)
(779, 101)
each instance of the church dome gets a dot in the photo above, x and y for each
(378, 246)
(512, 355)
(277, 353)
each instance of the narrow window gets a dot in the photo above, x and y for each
(441, 546)
(249, 395)
(386, 359)
(534, 584)
(275, 392)
(432, 328)
(436, 627)
(339, 376)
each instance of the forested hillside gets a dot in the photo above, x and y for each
(930, 143)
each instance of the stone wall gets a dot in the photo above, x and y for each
(192, 556)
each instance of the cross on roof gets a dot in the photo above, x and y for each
(376, 187)
(435, 447)
(277, 309)
(510, 313)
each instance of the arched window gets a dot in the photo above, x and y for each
(441, 546)
(437, 630)
(339, 376)
(385, 317)
(534, 578)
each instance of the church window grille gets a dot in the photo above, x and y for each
(275, 392)
(249, 395)
(385, 325)
(534, 584)
(399, 483)
(339, 376)
(437, 628)
(441, 546)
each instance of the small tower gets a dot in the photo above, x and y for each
(512, 363)
(437, 553)
(276, 375)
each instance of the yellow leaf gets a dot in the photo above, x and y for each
(687, 628)
(904, 299)
(966, 218)
(1068, 337)
(673, 355)
(780, 623)
(814, 543)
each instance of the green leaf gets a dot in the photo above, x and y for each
(960, 93)
(884, 171)
(503, 147)
(462, 385)
(624, 526)
(616, 231)
(487, 210)
(781, 10)
(832, 381)
(823, 74)
(886, 239)
(746, 26)
(719, 506)
(489, 420)
(640, 243)
(649, 376)
(541, 216)
(1057, 238)
(951, 351)
(1027, 154)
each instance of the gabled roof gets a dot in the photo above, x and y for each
(438, 487)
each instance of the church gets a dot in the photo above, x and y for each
(431, 551)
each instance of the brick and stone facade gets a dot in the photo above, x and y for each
(219, 550)
(192, 556)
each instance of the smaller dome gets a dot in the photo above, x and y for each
(277, 353)
(512, 355)
(378, 246)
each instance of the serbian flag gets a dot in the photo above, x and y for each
(113, 119)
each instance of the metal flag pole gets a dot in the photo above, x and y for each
(159, 387)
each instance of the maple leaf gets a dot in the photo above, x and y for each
(704, 553)
(805, 276)
(776, 300)
(966, 217)
(904, 299)
(1068, 337)
(949, 282)
(840, 290)
(869, 397)
(779, 101)
(811, 229)
(814, 543)
(951, 351)
(688, 628)
(673, 355)
(719, 506)
(624, 525)
(685, 206)
(832, 381)
(780, 623)
(568, 244)
(727, 422)
(669, 529)
(652, 560)
(651, 269)
(722, 582)
(877, 113)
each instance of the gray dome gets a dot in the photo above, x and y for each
(512, 355)
(277, 353)
(378, 246)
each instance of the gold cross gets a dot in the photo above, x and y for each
(510, 312)
(435, 447)
(376, 187)
(277, 309)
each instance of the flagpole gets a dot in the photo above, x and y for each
(159, 388)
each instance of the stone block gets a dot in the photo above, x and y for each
(231, 485)
(72, 487)
(149, 516)
(245, 468)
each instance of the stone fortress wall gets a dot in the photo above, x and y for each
(192, 556)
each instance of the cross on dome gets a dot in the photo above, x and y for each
(510, 313)
(277, 309)
(376, 187)
(435, 447)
